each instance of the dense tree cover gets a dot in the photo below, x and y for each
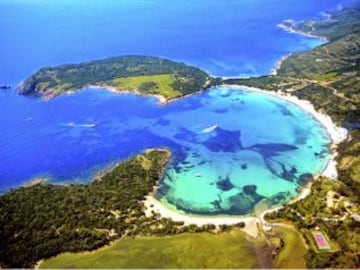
(314, 213)
(56, 80)
(41, 221)
(44, 220)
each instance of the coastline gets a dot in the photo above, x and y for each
(290, 29)
(35, 181)
(337, 135)
(161, 99)
(274, 71)
(154, 205)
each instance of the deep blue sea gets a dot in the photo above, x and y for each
(226, 38)
(231, 148)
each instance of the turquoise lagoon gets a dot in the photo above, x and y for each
(231, 147)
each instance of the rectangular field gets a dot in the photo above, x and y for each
(321, 241)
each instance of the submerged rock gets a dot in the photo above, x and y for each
(305, 178)
(224, 140)
(225, 184)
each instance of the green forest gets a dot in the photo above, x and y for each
(44, 220)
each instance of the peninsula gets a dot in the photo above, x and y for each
(138, 74)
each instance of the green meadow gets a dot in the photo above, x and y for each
(154, 84)
(202, 250)
(294, 250)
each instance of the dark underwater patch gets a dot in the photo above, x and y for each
(224, 140)
(224, 184)
(162, 122)
(220, 111)
(282, 108)
(305, 178)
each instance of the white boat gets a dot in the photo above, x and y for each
(209, 129)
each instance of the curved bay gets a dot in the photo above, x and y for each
(231, 148)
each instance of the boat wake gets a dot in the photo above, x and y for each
(72, 124)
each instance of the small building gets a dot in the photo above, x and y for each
(321, 241)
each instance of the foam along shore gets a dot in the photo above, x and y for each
(152, 205)
(337, 134)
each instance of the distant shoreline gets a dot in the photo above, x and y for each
(290, 29)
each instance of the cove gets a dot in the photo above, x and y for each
(231, 147)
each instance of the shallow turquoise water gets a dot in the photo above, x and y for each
(231, 147)
(256, 146)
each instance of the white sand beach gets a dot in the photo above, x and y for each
(153, 205)
(337, 134)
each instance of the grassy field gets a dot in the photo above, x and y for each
(292, 255)
(203, 250)
(158, 84)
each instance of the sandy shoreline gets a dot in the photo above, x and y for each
(337, 135)
(154, 205)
